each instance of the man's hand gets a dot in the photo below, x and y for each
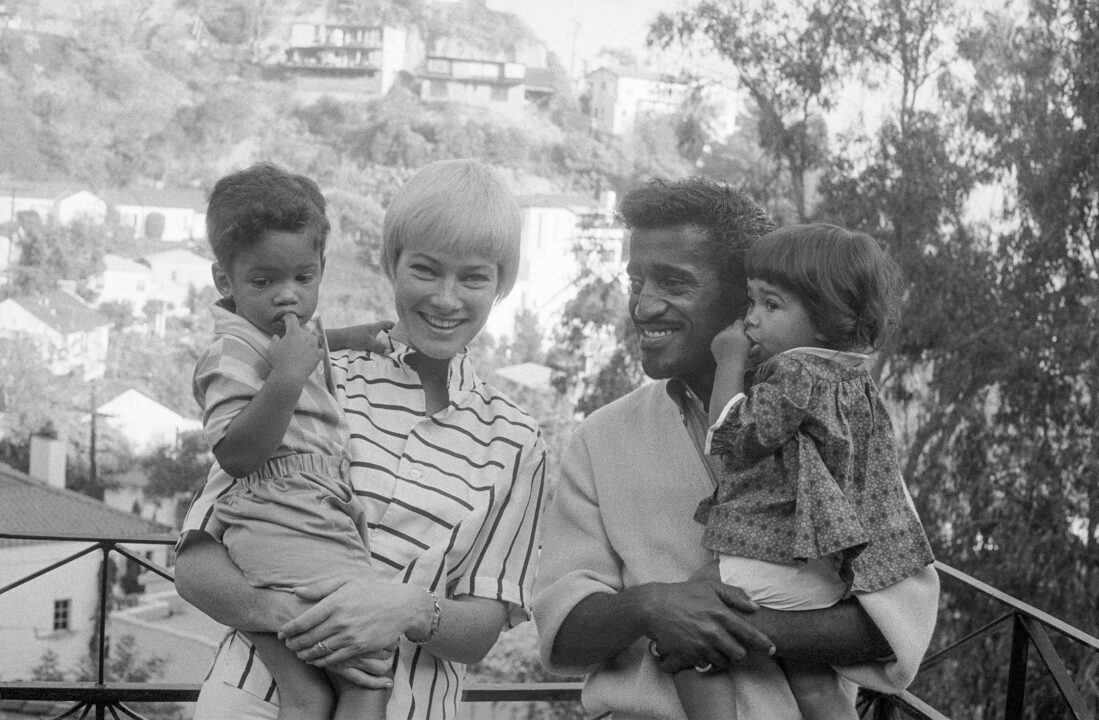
(700, 622)
(297, 352)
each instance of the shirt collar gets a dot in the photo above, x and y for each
(460, 375)
(850, 359)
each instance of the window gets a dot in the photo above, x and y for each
(61, 610)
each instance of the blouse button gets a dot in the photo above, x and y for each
(414, 473)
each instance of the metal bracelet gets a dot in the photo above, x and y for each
(436, 621)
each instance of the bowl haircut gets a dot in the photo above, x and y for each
(848, 284)
(460, 207)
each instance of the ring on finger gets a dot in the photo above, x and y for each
(704, 668)
(322, 647)
(654, 652)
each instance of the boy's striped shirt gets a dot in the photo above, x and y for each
(453, 502)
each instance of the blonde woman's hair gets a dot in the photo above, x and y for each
(457, 206)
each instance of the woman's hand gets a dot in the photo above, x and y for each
(373, 670)
(353, 618)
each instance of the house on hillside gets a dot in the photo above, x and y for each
(144, 422)
(475, 81)
(123, 281)
(175, 275)
(63, 202)
(617, 97)
(57, 610)
(69, 335)
(348, 60)
(167, 214)
(548, 264)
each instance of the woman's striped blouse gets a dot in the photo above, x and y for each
(453, 502)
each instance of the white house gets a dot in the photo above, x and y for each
(69, 335)
(168, 214)
(57, 610)
(144, 422)
(548, 265)
(123, 280)
(62, 202)
(175, 274)
(617, 97)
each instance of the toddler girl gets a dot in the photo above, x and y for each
(811, 506)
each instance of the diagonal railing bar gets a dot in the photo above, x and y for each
(145, 562)
(1057, 670)
(53, 566)
(1019, 606)
(940, 655)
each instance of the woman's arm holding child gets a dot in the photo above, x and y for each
(257, 431)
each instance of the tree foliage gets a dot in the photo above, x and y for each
(789, 57)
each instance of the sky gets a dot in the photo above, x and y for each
(594, 24)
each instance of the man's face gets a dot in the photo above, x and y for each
(678, 304)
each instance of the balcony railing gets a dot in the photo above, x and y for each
(1028, 626)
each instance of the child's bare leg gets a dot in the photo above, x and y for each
(706, 696)
(355, 702)
(819, 693)
(304, 690)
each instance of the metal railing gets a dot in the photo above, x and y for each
(1029, 626)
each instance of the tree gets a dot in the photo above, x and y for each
(789, 57)
(177, 469)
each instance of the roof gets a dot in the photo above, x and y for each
(177, 257)
(62, 311)
(638, 74)
(147, 197)
(570, 201)
(28, 505)
(44, 189)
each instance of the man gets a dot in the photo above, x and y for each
(614, 597)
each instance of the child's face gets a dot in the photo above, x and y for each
(277, 276)
(776, 321)
(442, 299)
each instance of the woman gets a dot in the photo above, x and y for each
(450, 474)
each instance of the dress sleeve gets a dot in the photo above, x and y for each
(770, 414)
(227, 377)
(507, 545)
(577, 557)
(905, 613)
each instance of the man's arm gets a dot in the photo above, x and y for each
(842, 634)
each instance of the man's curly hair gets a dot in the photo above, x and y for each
(729, 219)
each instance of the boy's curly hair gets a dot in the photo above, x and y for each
(245, 205)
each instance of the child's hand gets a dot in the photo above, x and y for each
(297, 352)
(359, 337)
(731, 344)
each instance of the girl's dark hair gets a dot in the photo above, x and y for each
(849, 285)
(245, 205)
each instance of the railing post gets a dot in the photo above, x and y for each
(102, 619)
(1016, 674)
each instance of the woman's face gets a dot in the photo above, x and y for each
(443, 299)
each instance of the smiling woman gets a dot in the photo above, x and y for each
(448, 473)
